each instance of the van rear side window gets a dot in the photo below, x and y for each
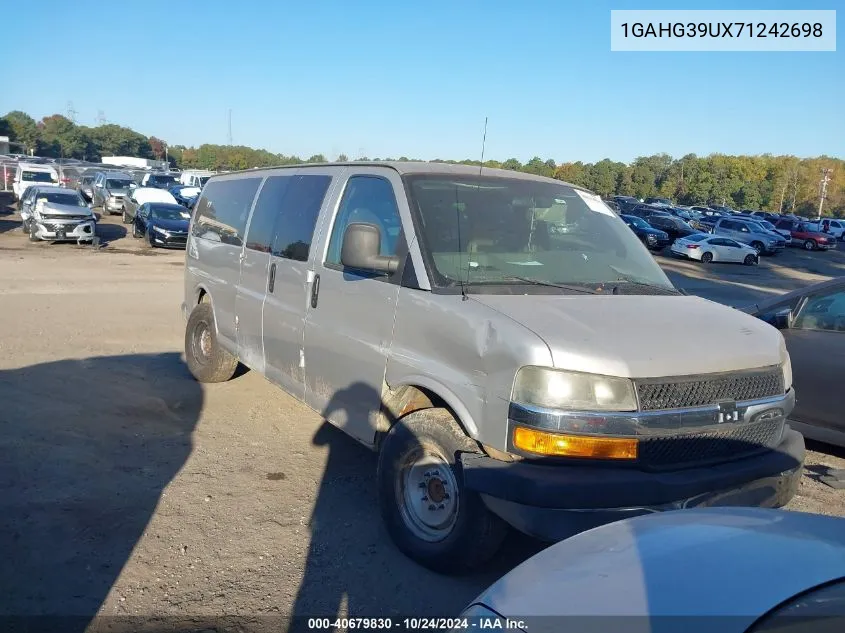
(285, 215)
(223, 210)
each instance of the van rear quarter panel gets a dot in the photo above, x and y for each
(466, 353)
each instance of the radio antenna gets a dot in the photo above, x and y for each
(483, 145)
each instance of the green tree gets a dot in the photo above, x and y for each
(22, 129)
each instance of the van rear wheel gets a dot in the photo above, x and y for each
(431, 517)
(207, 361)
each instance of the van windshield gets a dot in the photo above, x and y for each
(115, 183)
(37, 176)
(492, 230)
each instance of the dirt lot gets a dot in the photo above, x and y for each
(128, 488)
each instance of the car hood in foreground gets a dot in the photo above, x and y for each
(737, 562)
(642, 336)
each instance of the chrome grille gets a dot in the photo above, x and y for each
(695, 449)
(696, 391)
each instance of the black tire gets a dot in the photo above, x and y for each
(810, 245)
(751, 260)
(148, 239)
(706, 258)
(126, 219)
(135, 232)
(32, 231)
(25, 226)
(474, 535)
(758, 246)
(206, 360)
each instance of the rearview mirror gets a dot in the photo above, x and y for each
(782, 319)
(361, 248)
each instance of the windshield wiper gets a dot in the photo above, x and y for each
(645, 284)
(537, 282)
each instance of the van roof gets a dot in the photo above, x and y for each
(112, 173)
(419, 167)
(36, 167)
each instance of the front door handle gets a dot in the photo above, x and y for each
(315, 290)
(272, 283)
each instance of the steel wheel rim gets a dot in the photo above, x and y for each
(427, 495)
(202, 342)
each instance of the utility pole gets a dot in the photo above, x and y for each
(823, 188)
(230, 126)
(71, 111)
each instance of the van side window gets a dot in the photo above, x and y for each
(298, 214)
(263, 222)
(223, 209)
(370, 200)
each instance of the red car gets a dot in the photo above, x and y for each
(804, 235)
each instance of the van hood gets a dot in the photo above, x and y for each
(636, 336)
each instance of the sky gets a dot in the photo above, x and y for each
(377, 78)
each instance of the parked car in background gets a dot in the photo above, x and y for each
(829, 226)
(764, 215)
(85, 186)
(143, 195)
(29, 174)
(59, 215)
(724, 210)
(185, 195)
(653, 238)
(644, 210)
(159, 180)
(750, 232)
(624, 203)
(195, 178)
(674, 227)
(708, 248)
(110, 189)
(812, 321)
(162, 224)
(659, 201)
(568, 375)
(731, 570)
(786, 235)
(803, 234)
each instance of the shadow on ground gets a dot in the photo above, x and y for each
(86, 448)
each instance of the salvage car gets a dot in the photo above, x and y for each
(812, 321)
(59, 216)
(110, 189)
(803, 234)
(162, 224)
(143, 195)
(708, 248)
(506, 373)
(653, 238)
(725, 570)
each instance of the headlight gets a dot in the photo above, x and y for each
(651, 238)
(558, 389)
(159, 230)
(787, 372)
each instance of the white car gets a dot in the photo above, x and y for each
(831, 226)
(708, 248)
(29, 174)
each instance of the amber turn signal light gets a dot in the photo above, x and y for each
(560, 445)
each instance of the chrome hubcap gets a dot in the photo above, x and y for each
(203, 341)
(427, 495)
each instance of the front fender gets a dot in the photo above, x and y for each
(465, 419)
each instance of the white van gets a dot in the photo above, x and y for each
(28, 174)
(195, 178)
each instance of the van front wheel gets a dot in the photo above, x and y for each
(429, 514)
(206, 360)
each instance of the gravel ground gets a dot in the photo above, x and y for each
(130, 489)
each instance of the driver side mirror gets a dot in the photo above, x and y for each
(782, 319)
(361, 248)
